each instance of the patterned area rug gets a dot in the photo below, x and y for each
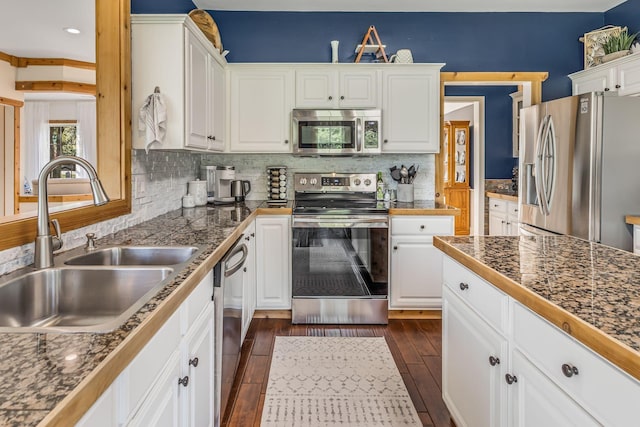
(335, 381)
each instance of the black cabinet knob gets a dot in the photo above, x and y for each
(618, 86)
(286, 141)
(464, 286)
(510, 379)
(385, 141)
(395, 248)
(342, 97)
(493, 361)
(330, 98)
(184, 381)
(194, 362)
(422, 227)
(606, 89)
(569, 370)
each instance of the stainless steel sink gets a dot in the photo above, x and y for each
(81, 299)
(136, 255)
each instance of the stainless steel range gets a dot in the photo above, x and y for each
(340, 250)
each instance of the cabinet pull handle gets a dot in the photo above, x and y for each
(286, 141)
(184, 381)
(464, 286)
(253, 234)
(569, 370)
(618, 86)
(606, 89)
(422, 227)
(194, 362)
(342, 97)
(493, 361)
(395, 248)
(330, 97)
(385, 141)
(510, 379)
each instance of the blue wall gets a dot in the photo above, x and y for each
(626, 15)
(464, 41)
(498, 137)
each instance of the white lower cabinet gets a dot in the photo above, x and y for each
(473, 357)
(544, 376)
(171, 380)
(503, 217)
(416, 265)
(273, 262)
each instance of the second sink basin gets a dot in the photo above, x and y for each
(135, 255)
(76, 299)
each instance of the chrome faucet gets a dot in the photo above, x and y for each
(45, 243)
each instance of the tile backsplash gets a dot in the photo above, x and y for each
(159, 180)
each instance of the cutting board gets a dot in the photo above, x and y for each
(208, 26)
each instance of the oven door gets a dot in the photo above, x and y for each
(327, 135)
(340, 269)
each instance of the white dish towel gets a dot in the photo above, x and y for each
(153, 119)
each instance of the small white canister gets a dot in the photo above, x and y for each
(188, 201)
(199, 191)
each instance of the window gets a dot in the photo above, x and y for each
(63, 140)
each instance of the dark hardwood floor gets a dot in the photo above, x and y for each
(415, 345)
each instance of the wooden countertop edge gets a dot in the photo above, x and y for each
(501, 196)
(426, 211)
(632, 219)
(606, 346)
(77, 403)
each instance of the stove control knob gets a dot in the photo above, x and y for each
(313, 181)
(367, 182)
(357, 181)
(303, 181)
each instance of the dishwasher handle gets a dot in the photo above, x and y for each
(229, 271)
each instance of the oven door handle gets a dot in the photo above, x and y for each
(340, 223)
(229, 271)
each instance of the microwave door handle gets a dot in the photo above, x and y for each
(537, 164)
(359, 135)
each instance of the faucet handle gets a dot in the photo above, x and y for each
(57, 239)
(91, 241)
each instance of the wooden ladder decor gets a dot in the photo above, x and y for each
(371, 47)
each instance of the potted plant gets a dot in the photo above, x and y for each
(618, 45)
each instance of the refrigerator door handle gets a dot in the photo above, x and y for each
(538, 175)
(549, 156)
(544, 193)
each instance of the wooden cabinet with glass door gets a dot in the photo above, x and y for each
(456, 171)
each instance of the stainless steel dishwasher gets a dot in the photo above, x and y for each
(228, 289)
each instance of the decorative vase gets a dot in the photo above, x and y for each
(334, 51)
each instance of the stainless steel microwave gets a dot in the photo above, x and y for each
(336, 132)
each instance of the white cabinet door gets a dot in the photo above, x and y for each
(537, 401)
(601, 78)
(497, 223)
(629, 77)
(513, 226)
(198, 90)
(198, 365)
(162, 407)
(261, 103)
(327, 88)
(416, 273)
(473, 362)
(218, 114)
(411, 110)
(273, 262)
(103, 412)
(249, 297)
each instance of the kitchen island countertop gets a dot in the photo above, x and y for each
(589, 290)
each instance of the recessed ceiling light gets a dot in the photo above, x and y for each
(72, 30)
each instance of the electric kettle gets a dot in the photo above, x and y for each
(239, 189)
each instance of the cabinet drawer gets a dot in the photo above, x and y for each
(196, 302)
(485, 299)
(498, 205)
(136, 380)
(422, 225)
(606, 392)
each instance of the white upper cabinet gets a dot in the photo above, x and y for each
(327, 88)
(169, 52)
(620, 75)
(261, 104)
(411, 108)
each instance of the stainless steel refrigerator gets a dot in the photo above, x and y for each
(580, 167)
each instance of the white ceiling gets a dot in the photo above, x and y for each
(33, 29)
(412, 5)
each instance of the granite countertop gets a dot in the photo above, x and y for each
(503, 194)
(422, 207)
(35, 375)
(589, 290)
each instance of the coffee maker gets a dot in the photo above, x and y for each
(222, 184)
